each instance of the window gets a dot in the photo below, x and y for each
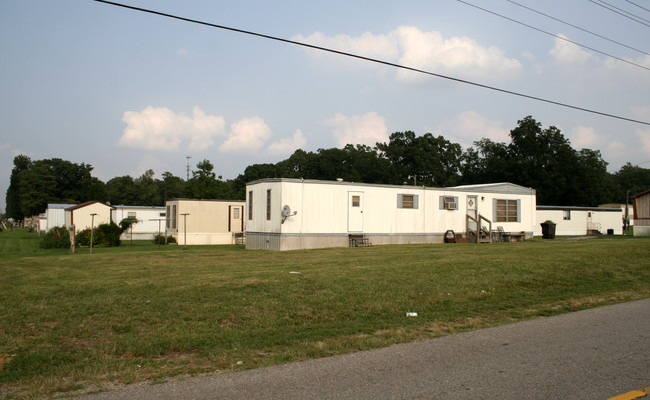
(356, 201)
(162, 214)
(268, 204)
(507, 210)
(235, 213)
(407, 201)
(174, 216)
(566, 215)
(167, 221)
(250, 205)
(130, 214)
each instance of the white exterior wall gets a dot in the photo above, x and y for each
(323, 213)
(580, 221)
(146, 227)
(55, 215)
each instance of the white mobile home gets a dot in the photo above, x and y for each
(288, 214)
(55, 216)
(151, 221)
(199, 222)
(575, 221)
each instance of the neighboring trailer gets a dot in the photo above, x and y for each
(201, 222)
(642, 214)
(288, 214)
(81, 216)
(151, 220)
(55, 216)
(576, 221)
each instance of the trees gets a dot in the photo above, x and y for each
(428, 160)
(34, 184)
(630, 179)
(544, 160)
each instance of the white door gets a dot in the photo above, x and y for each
(355, 211)
(472, 211)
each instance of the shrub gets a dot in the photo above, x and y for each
(83, 238)
(111, 234)
(170, 239)
(57, 238)
(107, 235)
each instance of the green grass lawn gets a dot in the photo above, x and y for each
(76, 322)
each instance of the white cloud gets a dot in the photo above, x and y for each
(470, 126)
(247, 134)
(568, 53)
(412, 47)
(367, 129)
(584, 137)
(644, 139)
(160, 128)
(288, 145)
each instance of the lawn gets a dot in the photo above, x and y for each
(72, 323)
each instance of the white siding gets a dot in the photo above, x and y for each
(323, 210)
(579, 222)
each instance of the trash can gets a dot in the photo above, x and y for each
(548, 230)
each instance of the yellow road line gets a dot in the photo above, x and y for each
(634, 394)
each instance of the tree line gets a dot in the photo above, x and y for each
(537, 157)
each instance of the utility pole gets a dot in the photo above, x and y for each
(92, 230)
(185, 229)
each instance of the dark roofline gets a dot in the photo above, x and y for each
(641, 194)
(86, 203)
(577, 208)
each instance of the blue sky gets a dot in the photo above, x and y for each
(126, 91)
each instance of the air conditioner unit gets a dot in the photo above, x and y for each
(451, 206)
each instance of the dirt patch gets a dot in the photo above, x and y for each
(231, 322)
(4, 360)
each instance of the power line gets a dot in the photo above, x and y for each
(631, 2)
(613, 9)
(311, 46)
(632, 15)
(552, 34)
(577, 27)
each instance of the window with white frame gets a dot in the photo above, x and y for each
(566, 215)
(268, 204)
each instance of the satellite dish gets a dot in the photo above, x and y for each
(286, 213)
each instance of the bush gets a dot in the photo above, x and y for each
(107, 235)
(57, 238)
(111, 234)
(170, 239)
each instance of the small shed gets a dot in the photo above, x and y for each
(90, 213)
(204, 222)
(290, 214)
(576, 221)
(642, 213)
(151, 220)
(54, 216)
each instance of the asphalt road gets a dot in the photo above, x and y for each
(592, 354)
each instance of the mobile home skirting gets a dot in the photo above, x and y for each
(294, 241)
